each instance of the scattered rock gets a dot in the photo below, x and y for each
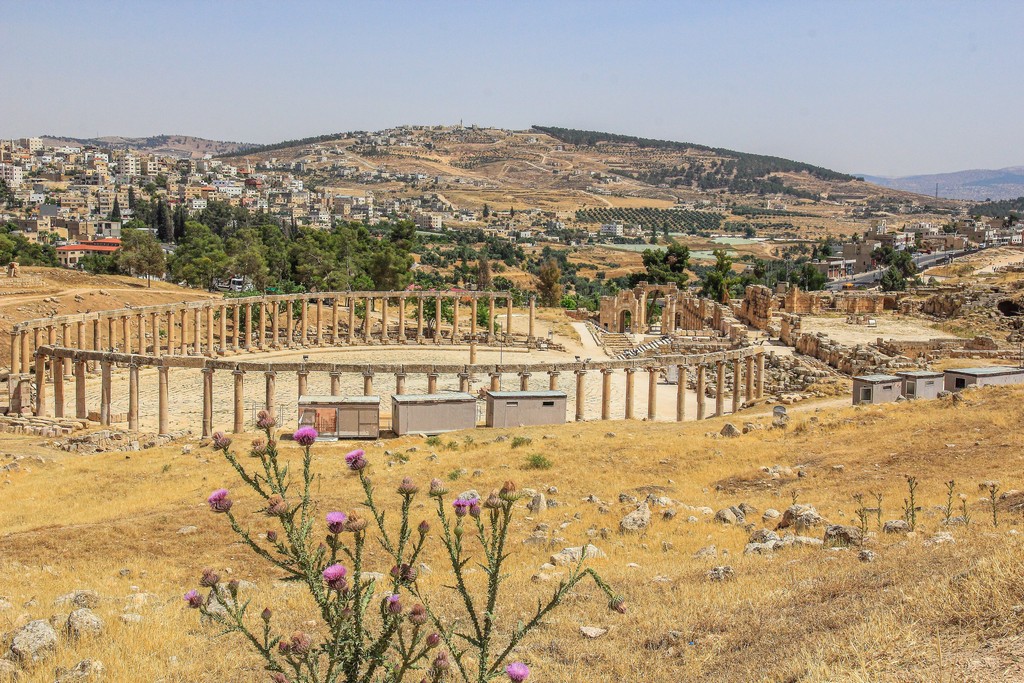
(770, 514)
(592, 632)
(840, 535)
(84, 598)
(763, 536)
(730, 515)
(85, 670)
(83, 622)
(866, 555)
(896, 526)
(131, 618)
(637, 520)
(723, 573)
(940, 538)
(707, 551)
(800, 517)
(539, 504)
(33, 642)
(730, 430)
(186, 530)
(569, 556)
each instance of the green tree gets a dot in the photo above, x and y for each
(199, 258)
(141, 254)
(115, 210)
(719, 279)
(549, 286)
(483, 272)
(668, 266)
(893, 280)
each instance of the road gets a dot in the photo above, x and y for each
(922, 261)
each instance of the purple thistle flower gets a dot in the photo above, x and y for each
(334, 577)
(464, 506)
(305, 436)
(221, 442)
(219, 501)
(356, 460)
(474, 507)
(193, 599)
(517, 672)
(393, 604)
(336, 522)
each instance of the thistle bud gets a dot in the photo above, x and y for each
(418, 614)
(432, 640)
(279, 677)
(393, 604)
(221, 442)
(259, 447)
(508, 491)
(300, 643)
(209, 578)
(424, 528)
(355, 523)
(272, 536)
(618, 604)
(266, 614)
(276, 506)
(265, 421)
(437, 488)
(408, 487)
(493, 502)
(441, 663)
(233, 587)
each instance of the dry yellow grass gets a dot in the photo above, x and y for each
(920, 612)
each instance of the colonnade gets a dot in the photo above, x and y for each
(747, 364)
(267, 323)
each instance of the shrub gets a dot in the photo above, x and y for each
(537, 461)
(371, 638)
(520, 441)
(433, 441)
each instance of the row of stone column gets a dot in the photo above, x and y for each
(753, 388)
(257, 325)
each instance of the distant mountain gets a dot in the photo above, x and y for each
(974, 185)
(173, 145)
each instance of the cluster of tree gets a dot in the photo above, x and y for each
(666, 220)
(14, 247)
(285, 144)
(899, 268)
(140, 255)
(1004, 207)
(736, 171)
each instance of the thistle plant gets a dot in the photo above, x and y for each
(370, 633)
(878, 509)
(947, 511)
(964, 511)
(910, 503)
(993, 490)
(862, 514)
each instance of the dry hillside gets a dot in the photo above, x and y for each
(941, 604)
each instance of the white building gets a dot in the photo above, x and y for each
(613, 230)
(13, 175)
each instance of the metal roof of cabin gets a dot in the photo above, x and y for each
(877, 379)
(527, 394)
(919, 373)
(447, 397)
(988, 372)
(338, 400)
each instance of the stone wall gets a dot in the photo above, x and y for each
(757, 307)
(856, 360)
(851, 303)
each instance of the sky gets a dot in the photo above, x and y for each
(885, 88)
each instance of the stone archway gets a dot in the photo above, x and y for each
(625, 321)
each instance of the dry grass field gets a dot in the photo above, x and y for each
(921, 611)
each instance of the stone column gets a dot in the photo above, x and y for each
(748, 389)
(26, 356)
(79, 336)
(223, 329)
(239, 421)
(111, 335)
(269, 401)
(289, 323)
(495, 381)
(464, 382)
(524, 381)
(400, 383)
(197, 331)
(419, 320)
(303, 376)
(606, 393)
(126, 335)
(472, 317)
(533, 305)
(681, 393)
(553, 380)
(66, 341)
(154, 330)
(629, 392)
(42, 410)
(57, 367)
(184, 332)
(207, 402)
(162, 372)
(236, 327)
(367, 382)
(760, 375)
(351, 320)
(97, 343)
(141, 322)
(737, 374)
(580, 378)
(304, 324)
(248, 326)
(455, 320)
(209, 331)
(335, 322)
(402, 339)
(490, 319)
(15, 351)
(81, 410)
(320, 321)
(508, 318)
(169, 341)
(437, 320)
(275, 337)
(367, 323)
(431, 382)
(51, 339)
(133, 397)
(472, 353)
(652, 393)
(701, 379)
(384, 339)
(719, 388)
(105, 393)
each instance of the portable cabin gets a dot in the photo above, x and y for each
(525, 408)
(983, 377)
(921, 383)
(432, 413)
(876, 388)
(341, 417)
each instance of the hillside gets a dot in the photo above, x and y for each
(973, 185)
(941, 603)
(170, 145)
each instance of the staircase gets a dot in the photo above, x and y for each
(616, 344)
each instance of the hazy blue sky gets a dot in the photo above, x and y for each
(874, 87)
